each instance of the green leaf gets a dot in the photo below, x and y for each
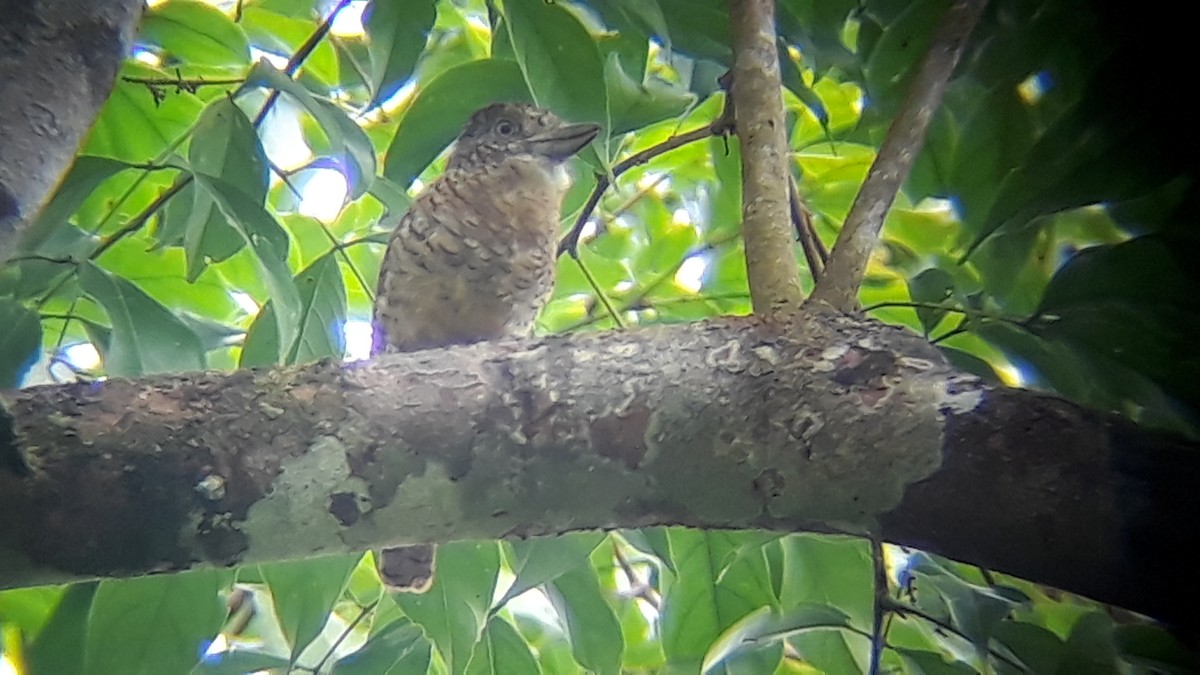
(652, 541)
(398, 649)
(269, 243)
(596, 640)
(816, 28)
(992, 142)
(304, 592)
(924, 662)
(154, 624)
(275, 32)
(1153, 648)
(637, 21)
(86, 174)
(699, 28)
(933, 286)
(349, 143)
(20, 342)
(766, 626)
(703, 599)
(793, 79)
(212, 334)
(540, 559)
(454, 610)
(395, 38)
(1094, 153)
(239, 662)
(502, 650)
(146, 337)
(29, 609)
(970, 363)
(441, 109)
(633, 105)
(975, 610)
(1038, 649)
(834, 571)
(196, 33)
(133, 126)
(224, 146)
(322, 312)
(549, 645)
(893, 59)
(559, 59)
(261, 348)
(59, 647)
(1091, 646)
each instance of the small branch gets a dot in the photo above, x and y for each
(770, 258)
(363, 612)
(341, 251)
(142, 218)
(180, 83)
(636, 300)
(814, 250)
(722, 125)
(968, 313)
(878, 633)
(299, 58)
(637, 588)
(587, 274)
(908, 610)
(844, 274)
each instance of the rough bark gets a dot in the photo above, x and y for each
(830, 424)
(58, 62)
(771, 269)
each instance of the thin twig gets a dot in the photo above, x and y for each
(300, 57)
(182, 83)
(720, 126)
(847, 266)
(587, 274)
(814, 251)
(639, 589)
(142, 218)
(337, 246)
(878, 634)
(957, 330)
(362, 613)
(636, 300)
(969, 313)
(908, 610)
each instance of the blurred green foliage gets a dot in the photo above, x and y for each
(1045, 238)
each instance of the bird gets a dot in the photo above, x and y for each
(474, 256)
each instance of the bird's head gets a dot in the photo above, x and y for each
(504, 130)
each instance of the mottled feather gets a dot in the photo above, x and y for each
(473, 258)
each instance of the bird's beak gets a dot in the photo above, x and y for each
(560, 143)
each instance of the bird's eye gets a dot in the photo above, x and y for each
(506, 128)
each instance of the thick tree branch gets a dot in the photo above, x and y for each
(819, 423)
(771, 268)
(848, 261)
(58, 62)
